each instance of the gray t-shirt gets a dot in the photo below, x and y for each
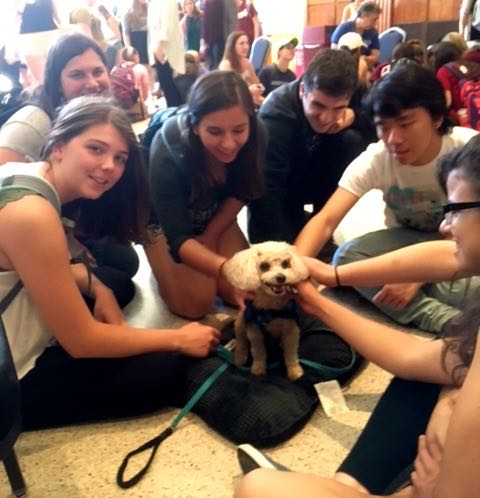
(26, 132)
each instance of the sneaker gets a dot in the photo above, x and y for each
(250, 459)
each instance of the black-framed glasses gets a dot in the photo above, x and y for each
(453, 207)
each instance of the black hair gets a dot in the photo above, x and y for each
(49, 95)
(212, 92)
(441, 53)
(367, 8)
(407, 86)
(122, 211)
(334, 72)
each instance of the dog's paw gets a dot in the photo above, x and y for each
(294, 372)
(240, 357)
(258, 368)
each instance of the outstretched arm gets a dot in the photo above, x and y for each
(36, 248)
(402, 354)
(433, 261)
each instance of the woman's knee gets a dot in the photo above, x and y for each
(191, 305)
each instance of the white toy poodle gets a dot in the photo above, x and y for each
(267, 269)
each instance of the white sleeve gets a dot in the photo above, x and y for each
(26, 131)
(365, 172)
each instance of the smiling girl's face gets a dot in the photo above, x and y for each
(223, 133)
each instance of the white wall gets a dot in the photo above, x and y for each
(282, 16)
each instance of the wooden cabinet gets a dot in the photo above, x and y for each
(394, 12)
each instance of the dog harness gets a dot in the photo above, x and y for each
(263, 317)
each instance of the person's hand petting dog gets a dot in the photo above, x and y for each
(305, 296)
(197, 340)
(397, 296)
(322, 272)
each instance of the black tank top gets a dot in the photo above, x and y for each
(37, 16)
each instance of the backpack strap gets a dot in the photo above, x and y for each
(41, 187)
(464, 71)
(35, 184)
(172, 133)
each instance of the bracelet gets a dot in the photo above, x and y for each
(337, 278)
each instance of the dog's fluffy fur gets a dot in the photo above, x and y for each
(267, 269)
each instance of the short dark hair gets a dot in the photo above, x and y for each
(334, 72)
(122, 211)
(212, 92)
(405, 87)
(367, 8)
(49, 95)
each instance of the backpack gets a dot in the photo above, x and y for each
(156, 123)
(10, 103)
(122, 80)
(469, 81)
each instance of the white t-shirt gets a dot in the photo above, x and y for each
(412, 194)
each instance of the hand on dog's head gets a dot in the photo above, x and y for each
(274, 265)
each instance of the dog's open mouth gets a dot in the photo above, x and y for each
(278, 288)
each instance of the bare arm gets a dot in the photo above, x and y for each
(201, 257)
(37, 249)
(224, 217)
(373, 57)
(9, 155)
(402, 354)
(459, 476)
(433, 261)
(320, 228)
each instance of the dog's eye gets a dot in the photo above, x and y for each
(264, 266)
(285, 264)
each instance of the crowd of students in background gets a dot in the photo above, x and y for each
(347, 126)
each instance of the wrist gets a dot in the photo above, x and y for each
(336, 277)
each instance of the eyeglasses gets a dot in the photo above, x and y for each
(451, 208)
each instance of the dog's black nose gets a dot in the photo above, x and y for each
(280, 278)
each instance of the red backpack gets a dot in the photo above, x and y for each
(122, 81)
(469, 81)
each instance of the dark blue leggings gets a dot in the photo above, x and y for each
(388, 443)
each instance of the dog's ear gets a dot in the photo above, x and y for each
(241, 270)
(298, 266)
